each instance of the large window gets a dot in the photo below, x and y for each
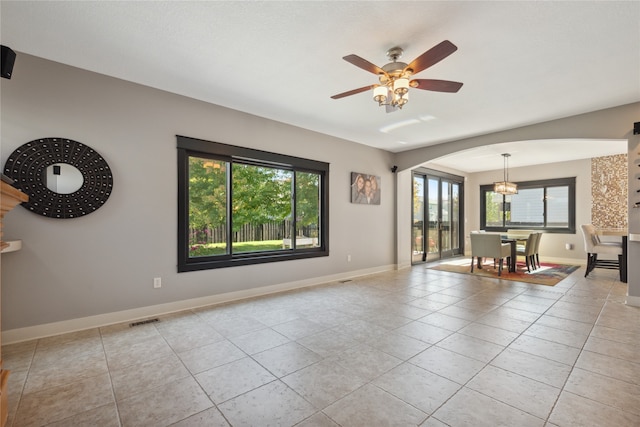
(548, 205)
(238, 206)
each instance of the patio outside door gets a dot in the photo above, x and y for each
(436, 223)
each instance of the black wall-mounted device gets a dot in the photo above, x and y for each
(636, 128)
(8, 59)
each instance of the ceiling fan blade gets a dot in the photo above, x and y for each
(436, 85)
(353, 92)
(432, 56)
(364, 64)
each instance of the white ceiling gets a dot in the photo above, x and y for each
(521, 62)
(525, 153)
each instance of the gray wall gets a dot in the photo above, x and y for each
(105, 262)
(611, 123)
(552, 245)
(634, 220)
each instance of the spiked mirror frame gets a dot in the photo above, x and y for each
(28, 164)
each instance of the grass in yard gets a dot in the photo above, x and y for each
(209, 249)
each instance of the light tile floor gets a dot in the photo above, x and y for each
(410, 347)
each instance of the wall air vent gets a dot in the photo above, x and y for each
(143, 322)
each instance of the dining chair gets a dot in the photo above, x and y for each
(537, 249)
(480, 260)
(594, 247)
(486, 245)
(528, 251)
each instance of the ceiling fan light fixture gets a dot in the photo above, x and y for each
(401, 86)
(380, 94)
(400, 100)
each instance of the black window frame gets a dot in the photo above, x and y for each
(569, 182)
(187, 147)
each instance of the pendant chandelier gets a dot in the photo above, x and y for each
(505, 187)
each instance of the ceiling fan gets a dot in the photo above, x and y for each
(394, 77)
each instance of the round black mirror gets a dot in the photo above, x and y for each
(63, 178)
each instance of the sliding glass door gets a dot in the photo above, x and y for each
(437, 215)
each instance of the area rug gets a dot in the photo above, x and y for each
(548, 274)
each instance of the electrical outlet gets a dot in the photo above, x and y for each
(157, 282)
(348, 258)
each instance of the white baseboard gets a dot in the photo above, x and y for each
(13, 336)
(633, 301)
(403, 266)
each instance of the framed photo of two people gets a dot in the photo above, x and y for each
(365, 189)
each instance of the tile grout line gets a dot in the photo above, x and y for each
(577, 358)
(113, 391)
(497, 355)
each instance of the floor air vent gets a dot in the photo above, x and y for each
(143, 322)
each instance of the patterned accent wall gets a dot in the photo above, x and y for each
(609, 192)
